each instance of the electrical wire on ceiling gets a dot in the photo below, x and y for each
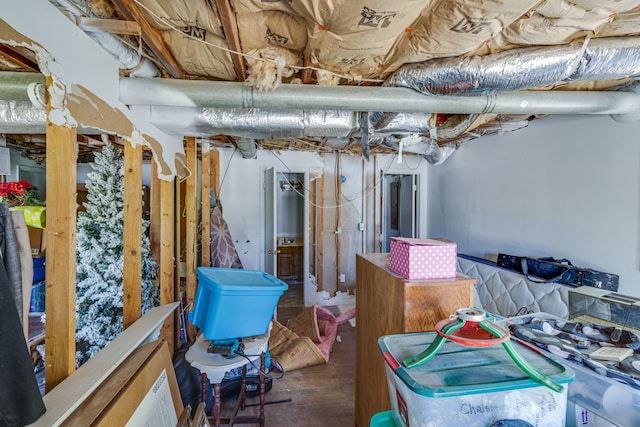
(226, 169)
(364, 194)
(254, 57)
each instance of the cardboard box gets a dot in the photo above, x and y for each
(37, 241)
(423, 258)
(142, 391)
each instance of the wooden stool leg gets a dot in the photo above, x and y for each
(203, 384)
(262, 387)
(216, 405)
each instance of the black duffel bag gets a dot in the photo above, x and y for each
(558, 271)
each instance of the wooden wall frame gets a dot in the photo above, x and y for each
(144, 386)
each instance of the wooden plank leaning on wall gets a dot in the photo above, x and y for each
(191, 237)
(319, 227)
(60, 306)
(132, 305)
(205, 205)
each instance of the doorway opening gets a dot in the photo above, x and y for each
(290, 235)
(399, 207)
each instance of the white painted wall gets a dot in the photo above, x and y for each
(242, 197)
(23, 168)
(566, 186)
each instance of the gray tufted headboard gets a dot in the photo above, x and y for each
(505, 292)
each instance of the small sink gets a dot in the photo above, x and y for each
(289, 241)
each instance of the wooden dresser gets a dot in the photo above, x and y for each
(388, 304)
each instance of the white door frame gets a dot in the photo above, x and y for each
(271, 229)
(413, 206)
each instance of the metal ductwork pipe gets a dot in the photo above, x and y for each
(20, 87)
(197, 93)
(21, 117)
(128, 57)
(247, 147)
(609, 58)
(254, 123)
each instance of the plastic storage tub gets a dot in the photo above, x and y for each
(605, 401)
(470, 387)
(383, 419)
(37, 303)
(235, 303)
(38, 269)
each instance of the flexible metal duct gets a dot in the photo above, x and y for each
(500, 72)
(609, 59)
(486, 83)
(23, 118)
(436, 155)
(20, 117)
(598, 59)
(247, 147)
(402, 123)
(254, 123)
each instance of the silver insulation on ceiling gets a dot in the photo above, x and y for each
(479, 75)
(609, 58)
(597, 59)
(20, 117)
(402, 123)
(255, 123)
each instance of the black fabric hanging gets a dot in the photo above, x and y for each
(20, 400)
(11, 256)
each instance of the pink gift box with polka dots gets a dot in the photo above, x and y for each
(423, 258)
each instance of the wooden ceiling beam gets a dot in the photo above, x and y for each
(307, 74)
(151, 36)
(230, 28)
(113, 26)
(18, 59)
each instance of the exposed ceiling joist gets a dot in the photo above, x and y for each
(230, 27)
(18, 59)
(151, 36)
(113, 26)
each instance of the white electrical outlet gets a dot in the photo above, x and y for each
(361, 226)
(342, 278)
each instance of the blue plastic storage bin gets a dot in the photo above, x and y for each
(235, 303)
(38, 269)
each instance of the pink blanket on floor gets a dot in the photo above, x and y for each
(321, 325)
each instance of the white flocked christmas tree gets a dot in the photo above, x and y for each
(100, 257)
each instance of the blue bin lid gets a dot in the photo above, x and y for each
(235, 280)
(457, 370)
